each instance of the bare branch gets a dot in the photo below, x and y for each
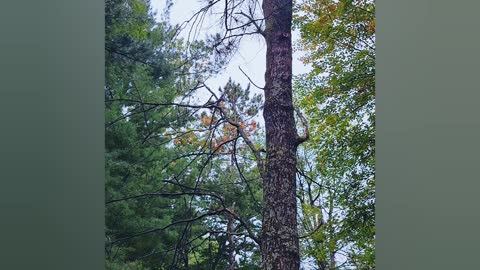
(244, 224)
(254, 21)
(250, 79)
(313, 231)
(306, 135)
(256, 152)
(160, 194)
(212, 213)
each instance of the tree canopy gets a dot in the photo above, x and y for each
(197, 179)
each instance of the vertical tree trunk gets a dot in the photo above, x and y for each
(231, 244)
(331, 232)
(332, 261)
(280, 247)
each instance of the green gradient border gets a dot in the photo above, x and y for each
(52, 135)
(428, 131)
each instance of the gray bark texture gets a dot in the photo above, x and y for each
(280, 245)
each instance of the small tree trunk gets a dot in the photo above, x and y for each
(331, 233)
(231, 244)
(332, 261)
(280, 246)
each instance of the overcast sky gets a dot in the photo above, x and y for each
(250, 56)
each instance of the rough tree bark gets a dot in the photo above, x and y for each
(280, 245)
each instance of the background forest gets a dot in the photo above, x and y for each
(183, 187)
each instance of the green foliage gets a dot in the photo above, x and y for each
(153, 147)
(140, 66)
(124, 266)
(338, 96)
(158, 155)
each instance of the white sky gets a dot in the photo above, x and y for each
(250, 56)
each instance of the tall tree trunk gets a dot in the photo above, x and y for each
(280, 247)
